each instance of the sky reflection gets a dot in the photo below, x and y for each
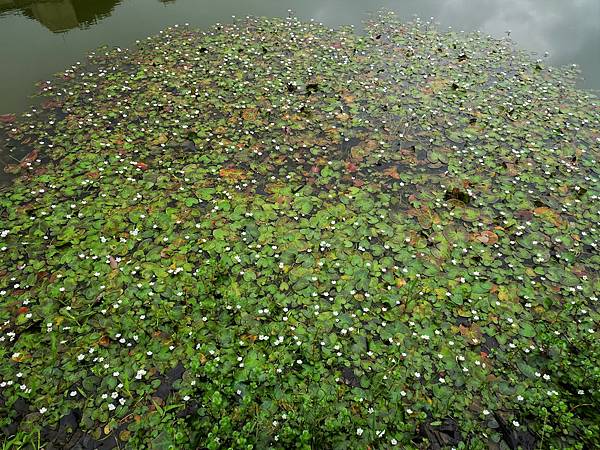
(42, 37)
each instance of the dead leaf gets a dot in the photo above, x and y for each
(472, 333)
(233, 174)
(30, 157)
(392, 172)
(250, 114)
(487, 237)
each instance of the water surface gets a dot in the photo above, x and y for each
(40, 38)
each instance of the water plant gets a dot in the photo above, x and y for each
(273, 234)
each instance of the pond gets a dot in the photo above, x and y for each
(43, 37)
(268, 232)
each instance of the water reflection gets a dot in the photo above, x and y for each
(61, 15)
(569, 31)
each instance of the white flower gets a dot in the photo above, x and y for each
(359, 431)
(111, 407)
(516, 423)
(43, 409)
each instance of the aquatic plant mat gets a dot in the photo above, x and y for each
(274, 234)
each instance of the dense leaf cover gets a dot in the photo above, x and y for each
(275, 234)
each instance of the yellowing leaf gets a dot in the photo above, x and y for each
(232, 174)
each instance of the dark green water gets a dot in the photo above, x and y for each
(39, 38)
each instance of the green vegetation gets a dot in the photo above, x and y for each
(273, 234)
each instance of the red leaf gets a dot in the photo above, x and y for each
(142, 166)
(30, 157)
(8, 118)
(351, 167)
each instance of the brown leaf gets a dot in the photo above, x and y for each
(7, 118)
(487, 237)
(49, 104)
(392, 172)
(232, 174)
(250, 113)
(348, 98)
(472, 333)
(30, 157)
(12, 169)
(113, 262)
